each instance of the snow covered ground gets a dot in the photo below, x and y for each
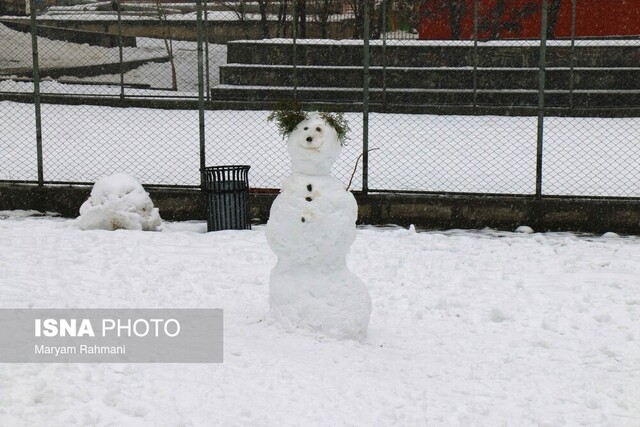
(485, 154)
(469, 328)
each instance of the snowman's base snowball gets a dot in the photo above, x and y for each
(335, 303)
(118, 202)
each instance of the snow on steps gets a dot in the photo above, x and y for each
(604, 75)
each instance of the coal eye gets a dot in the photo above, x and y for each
(318, 129)
(306, 128)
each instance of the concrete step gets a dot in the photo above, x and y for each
(414, 97)
(423, 53)
(423, 74)
(430, 78)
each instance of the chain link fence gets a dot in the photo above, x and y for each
(442, 96)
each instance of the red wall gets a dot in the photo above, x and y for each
(594, 18)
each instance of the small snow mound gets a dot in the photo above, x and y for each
(524, 229)
(118, 202)
(603, 318)
(497, 315)
(610, 235)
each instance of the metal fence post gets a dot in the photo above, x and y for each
(384, 53)
(201, 123)
(541, 88)
(475, 53)
(573, 52)
(36, 91)
(294, 35)
(206, 48)
(119, 10)
(365, 99)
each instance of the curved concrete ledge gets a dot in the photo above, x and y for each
(89, 70)
(71, 35)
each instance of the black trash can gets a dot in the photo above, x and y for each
(227, 193)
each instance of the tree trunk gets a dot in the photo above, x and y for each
(554, 10)
(168, 44)
(263, 4)
(301, 11)
(456, 11)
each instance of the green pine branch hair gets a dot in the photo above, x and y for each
(339, 123)
(287, 120)
(288, 116)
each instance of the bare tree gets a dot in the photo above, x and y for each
(283, 18)
(263, 6)
(168, 42)
(357, 8)
(505, 16)
(407, 12)
(327, 7)
(440, 8)
(301, 13)
(239, 7)
(554, 11)
(456, 12)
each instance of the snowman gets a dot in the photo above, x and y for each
(310, 228)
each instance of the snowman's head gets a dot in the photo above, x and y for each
(313, 146)
(314, 139)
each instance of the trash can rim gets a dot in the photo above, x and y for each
(225, 166)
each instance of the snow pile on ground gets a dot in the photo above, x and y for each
(467, 329)
(118, 202)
